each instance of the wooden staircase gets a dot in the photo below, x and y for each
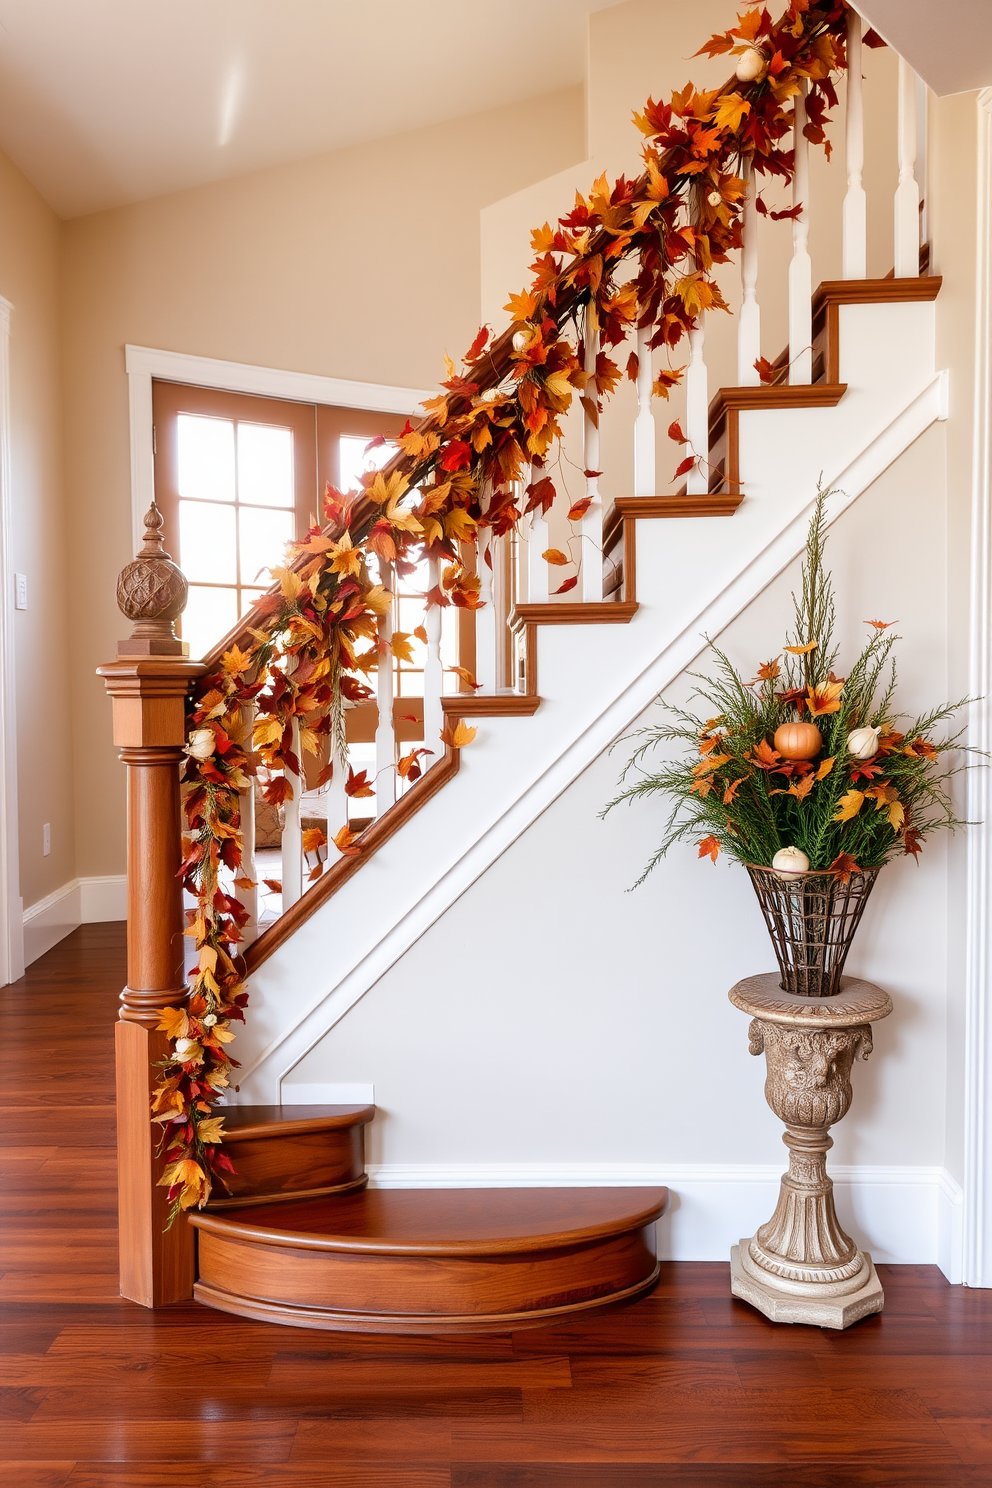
(302, 1241)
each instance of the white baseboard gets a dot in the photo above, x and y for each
(353, 1094)
(82, 901)
(899, 1214)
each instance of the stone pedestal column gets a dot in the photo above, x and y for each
(801, 1267)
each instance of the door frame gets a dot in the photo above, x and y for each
(143, 363)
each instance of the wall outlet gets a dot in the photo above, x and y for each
(46, 839)
(20, 591)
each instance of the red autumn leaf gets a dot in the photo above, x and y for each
(540, 494)
(764, 369)
(578, 511)
(359, 785)
(478, 345)
(592, 474)
(408, 768)
(633, 366)
(871, 38)
(709, 848)
(684, 467)
(675, 432)
(844, 865)
(458, 456)
(912, 842)
(568, 584)
(375, 443)
(277, 790)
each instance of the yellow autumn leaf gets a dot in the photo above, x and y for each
(313, 840)
(802, 650)
(174, 1022)
(458, 525)
(378, 599)
(825, 767)
(458, 736)
(385, 489)
(290, 583)
(211, 1131)
(730, 110)
(309, 740)
(208, 958)
(267, 730)
(222, 1034)
(555, 556)
(236, 661)
(400, 646)
(559, 385)
(849, 805)
(345, 558)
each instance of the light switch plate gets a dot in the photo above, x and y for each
(20, 591)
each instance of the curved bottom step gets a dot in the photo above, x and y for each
(431, 1260)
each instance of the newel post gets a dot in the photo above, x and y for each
(148, 684)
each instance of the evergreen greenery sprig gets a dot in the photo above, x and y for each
(733, 791)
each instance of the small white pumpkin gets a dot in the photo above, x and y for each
(714, 198)
(751, 65)
(520, 340)
(862, 743)
(790, 862)
(184, 1045)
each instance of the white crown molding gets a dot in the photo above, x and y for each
(902, 1214)
(978, 974)
(143, 363)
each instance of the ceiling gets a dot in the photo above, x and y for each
(949, 45)
(110, 101)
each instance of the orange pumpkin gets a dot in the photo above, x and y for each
(798, 741)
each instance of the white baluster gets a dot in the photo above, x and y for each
(645, 479)
(697, 412)
(292, 831)
(538, 541)
(907, 203)
(922, 154)
(801, 267)
(485, 618)
(591, 568)
(749, 325)
(433, 669)
(855, 218)
(248, 898)
(336, 798)
(385, 734)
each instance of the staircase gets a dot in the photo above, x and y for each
(303, 1242)
(301, 1239)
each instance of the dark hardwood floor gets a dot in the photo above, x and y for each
(685, 1387)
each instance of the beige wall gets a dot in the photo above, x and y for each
(363, 263)
(29, 278)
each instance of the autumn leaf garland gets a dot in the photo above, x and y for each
(477, 464)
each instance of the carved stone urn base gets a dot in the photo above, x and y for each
(801, 1267)
(804, 1307)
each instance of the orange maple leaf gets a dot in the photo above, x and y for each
(709, 848)
(880, 624)
(555, 556)
(824, 699)
(345, 841)
(768, 671)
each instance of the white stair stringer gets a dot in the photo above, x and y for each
(694, 577)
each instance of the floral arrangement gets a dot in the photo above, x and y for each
(477, 463)
(797, 768)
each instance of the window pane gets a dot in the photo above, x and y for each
(208, 615)
(264, 535)
(206, 542)
(353, 459)
(265, 465)
(206, 458)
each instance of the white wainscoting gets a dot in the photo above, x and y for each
(82, 901)
(899, 1214)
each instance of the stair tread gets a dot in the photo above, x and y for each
(245, 1122)
(436, 1221)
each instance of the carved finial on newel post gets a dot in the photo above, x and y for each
(152, 593)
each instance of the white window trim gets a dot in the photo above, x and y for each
(144, 363)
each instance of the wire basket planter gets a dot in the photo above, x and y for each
(811, 919)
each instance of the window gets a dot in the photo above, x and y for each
(237, 477)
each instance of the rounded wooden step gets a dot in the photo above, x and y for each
(431, 1260)
(281, 1152)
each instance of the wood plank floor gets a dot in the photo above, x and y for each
(685, 1387)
